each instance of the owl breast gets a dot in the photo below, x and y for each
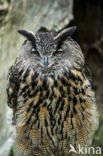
(53, 112)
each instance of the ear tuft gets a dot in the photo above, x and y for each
(65, 33)
(28, 34)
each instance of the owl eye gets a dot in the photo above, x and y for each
(34, 51)
(57, 52)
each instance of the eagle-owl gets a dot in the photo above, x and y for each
(52, 99)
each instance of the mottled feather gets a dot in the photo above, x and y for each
(51, 96)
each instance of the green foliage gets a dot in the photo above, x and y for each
(12, 152)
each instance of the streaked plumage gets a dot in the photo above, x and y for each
(51, 97)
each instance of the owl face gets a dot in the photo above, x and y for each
(50, 52)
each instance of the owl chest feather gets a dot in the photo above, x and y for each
(36, 95)
(51, 110)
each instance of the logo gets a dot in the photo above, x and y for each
(85, 150)
(72, 149)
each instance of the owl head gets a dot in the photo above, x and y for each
(50, 52)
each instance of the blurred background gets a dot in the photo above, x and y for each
(50, 15)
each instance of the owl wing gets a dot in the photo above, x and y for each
(87, 73)
(12, 86)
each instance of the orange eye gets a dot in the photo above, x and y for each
(35, 52)
(57, 52)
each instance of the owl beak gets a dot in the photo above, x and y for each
(45, 61)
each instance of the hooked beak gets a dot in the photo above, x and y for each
(45, 61)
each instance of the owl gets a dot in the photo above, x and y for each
(51, 96)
